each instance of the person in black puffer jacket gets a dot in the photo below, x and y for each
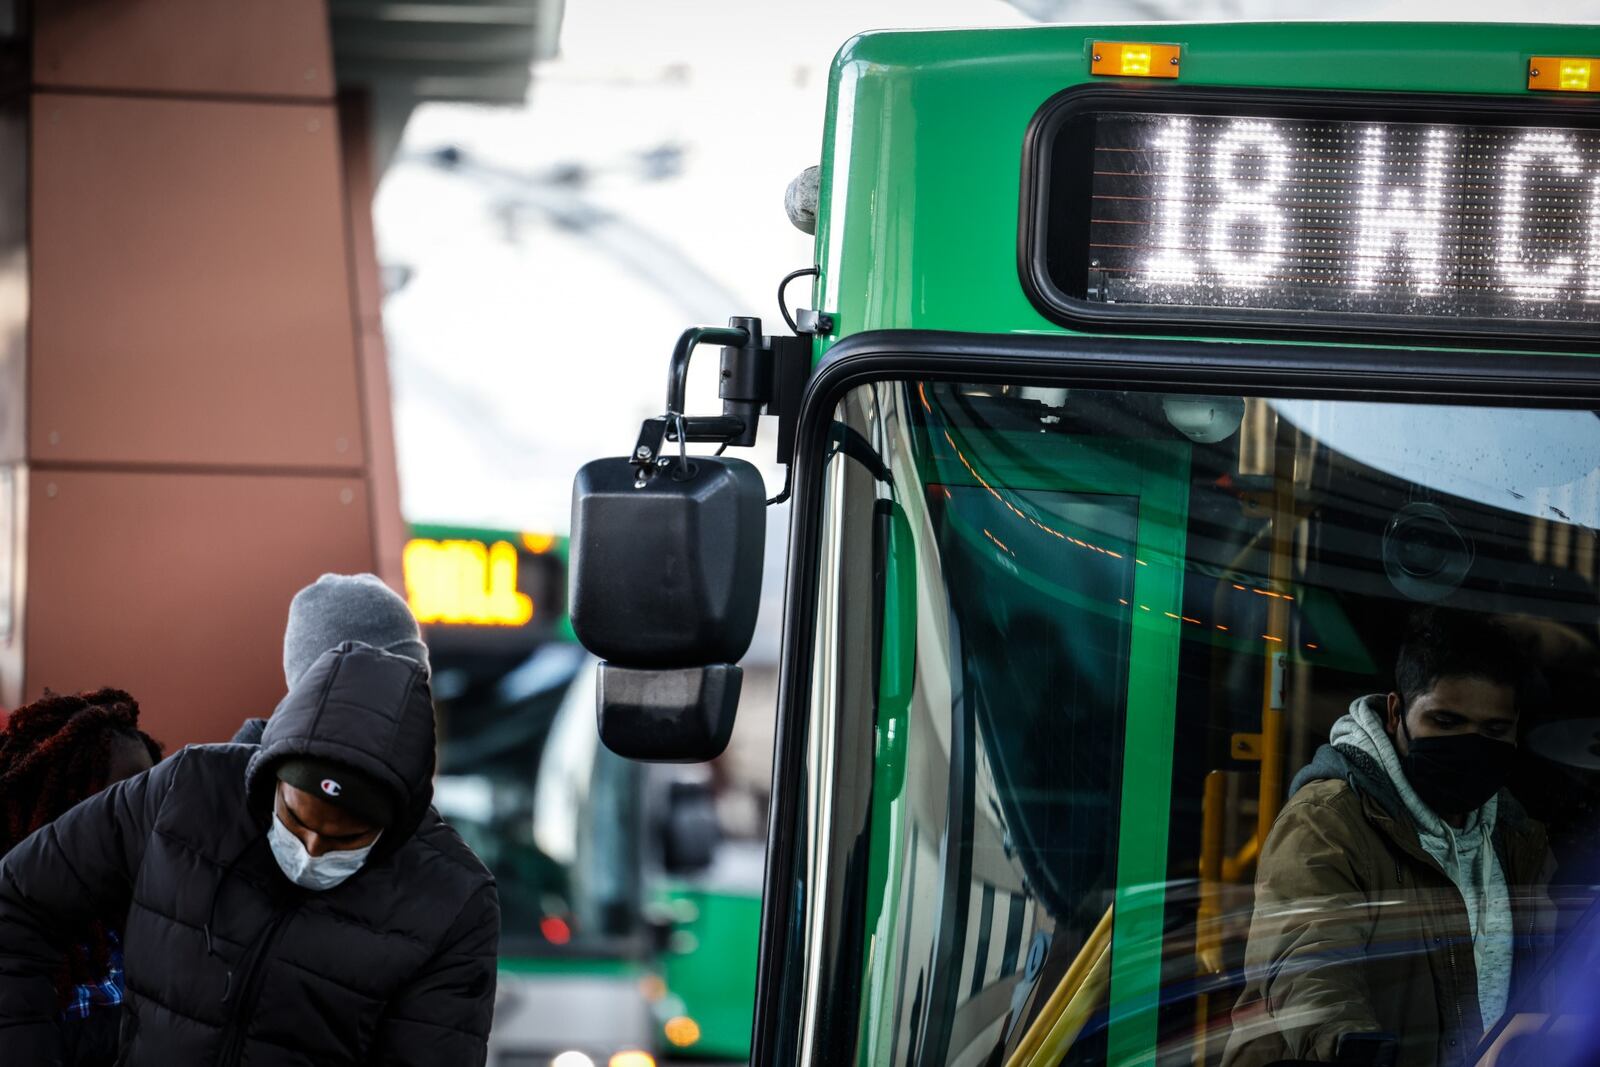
(227, 960)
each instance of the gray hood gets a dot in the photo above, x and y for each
(1360, 752)
(1352, 764)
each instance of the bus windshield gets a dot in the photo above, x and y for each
(1214, 730)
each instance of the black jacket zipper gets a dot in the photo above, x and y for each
(244, 1007)
(1455, 994)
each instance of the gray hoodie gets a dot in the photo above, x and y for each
(1466, 856)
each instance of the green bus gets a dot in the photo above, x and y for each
(1158, 380)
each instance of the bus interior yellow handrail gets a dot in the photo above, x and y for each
(1070, 1003)
(1235, 867)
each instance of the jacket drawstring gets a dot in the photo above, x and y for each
(211, 912)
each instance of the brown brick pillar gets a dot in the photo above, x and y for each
(207, 424)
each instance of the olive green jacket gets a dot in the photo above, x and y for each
(1357, 929)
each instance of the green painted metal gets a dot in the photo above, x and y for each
(709, 967)
(922, 151)
(885, 876)
(1136, 936)
(572, 966)
(437, 532)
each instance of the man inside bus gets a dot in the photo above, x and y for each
(1400, 888)
(293, 902)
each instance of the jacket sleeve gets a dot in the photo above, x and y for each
(1305, 963)
(443, 1015)
(76, 869)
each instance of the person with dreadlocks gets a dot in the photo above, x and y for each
(54, 753)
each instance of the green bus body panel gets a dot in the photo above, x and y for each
(572, 967)
(712, 979)
(560, 545)
(885, 877)
(917, 223)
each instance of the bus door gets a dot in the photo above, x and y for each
(1092, 586)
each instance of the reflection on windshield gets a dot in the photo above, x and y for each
(1540, 464)
(1213, 731)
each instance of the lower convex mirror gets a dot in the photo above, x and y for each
(668, 716)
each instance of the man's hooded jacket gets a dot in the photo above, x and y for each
(227, 961)
(1371, 916)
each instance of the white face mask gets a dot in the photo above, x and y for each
(313, 872)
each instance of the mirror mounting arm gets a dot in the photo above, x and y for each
(759, 374)
(653, 433)
(678, 371)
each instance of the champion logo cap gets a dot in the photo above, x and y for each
(340, 785)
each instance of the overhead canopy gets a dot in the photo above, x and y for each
(465, 51)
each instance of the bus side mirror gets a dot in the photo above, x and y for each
(665, 585)
(690, 833)
(667, 716)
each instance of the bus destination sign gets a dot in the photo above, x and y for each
(1305, 220)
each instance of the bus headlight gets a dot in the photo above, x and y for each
(633, 1058)
(681, 1030)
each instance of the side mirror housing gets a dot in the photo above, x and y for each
(665, 587)
(666, 567)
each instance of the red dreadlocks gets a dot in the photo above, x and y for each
(54, 753)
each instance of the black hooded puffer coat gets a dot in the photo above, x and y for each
(229, 963)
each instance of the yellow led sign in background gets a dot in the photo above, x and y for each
(465, 582)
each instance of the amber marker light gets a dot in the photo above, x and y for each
(682, 1031)
(1564, 74)
(538, 543)
(1128, 59)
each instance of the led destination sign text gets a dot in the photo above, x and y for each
(1320, 218)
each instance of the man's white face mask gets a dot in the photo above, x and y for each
(308, 871)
